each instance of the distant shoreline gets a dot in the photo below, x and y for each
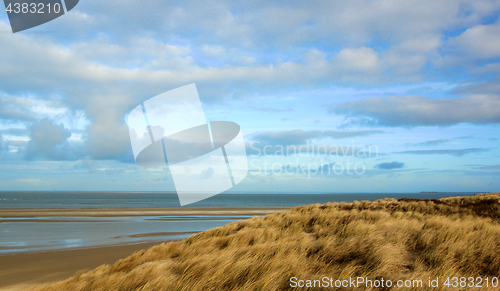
(151, 200)
(237, 193)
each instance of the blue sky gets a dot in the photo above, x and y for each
(415, 81)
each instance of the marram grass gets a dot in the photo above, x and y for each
(396, 240)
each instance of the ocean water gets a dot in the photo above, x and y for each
(51, 233)
(53, 199)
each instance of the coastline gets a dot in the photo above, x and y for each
(19, 271)
(22, 270)
(291, 243)
(149, 211)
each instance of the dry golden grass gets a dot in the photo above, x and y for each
(390, 239)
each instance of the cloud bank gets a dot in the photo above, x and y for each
(412, 111)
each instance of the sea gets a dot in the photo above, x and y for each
(18, 235)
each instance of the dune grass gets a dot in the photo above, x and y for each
(407, 239)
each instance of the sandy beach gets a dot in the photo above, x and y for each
(115, 212)
(21, 270)
(18, 271)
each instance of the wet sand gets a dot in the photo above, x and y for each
(19, 271)
(22, 270)
(114, 212)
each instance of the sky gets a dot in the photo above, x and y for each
(375, 96)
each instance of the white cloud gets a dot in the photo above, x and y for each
(283, 24)
(408, 66)
(358, 59)
(107, 57)
(49, 141)
(480, 41)
(411, 111)
(14, 109)
(419, 44)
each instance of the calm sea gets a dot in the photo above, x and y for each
(162, 199)
(52, 233)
